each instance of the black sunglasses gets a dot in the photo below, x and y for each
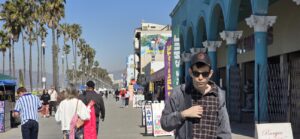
(204, 74)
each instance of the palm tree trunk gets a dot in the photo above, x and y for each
(67, 62)
(42, 63)
(9, 61)
(13, 60)
(30, 63)
(54, 60)
(74, 58)
(57, 46)
(24, 60)
(3, 62)
(38, 58)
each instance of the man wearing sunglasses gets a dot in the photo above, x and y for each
(197, 110)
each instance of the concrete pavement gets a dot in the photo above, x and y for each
(120, 123)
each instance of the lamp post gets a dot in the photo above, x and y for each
(43, 66)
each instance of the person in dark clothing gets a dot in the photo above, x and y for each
(45, 98)
(89, 95)
(197, 109)
(106, 94)
(117, 95)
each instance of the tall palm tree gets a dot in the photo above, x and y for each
(66, 48)
(13, 17)
(4, 44)
(31, 17)
(22, 13)
(42, 33)
(38, 16)
(75, 34)
(55, 12)
(3, 50)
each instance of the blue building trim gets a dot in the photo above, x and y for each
(261, 83)
(203, 15)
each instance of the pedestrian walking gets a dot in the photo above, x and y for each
(122, 96)
(45, 101)
(27, 107)
(53, 100)
(127, 95)
(117, 93)
(90, 95)
(67, 109)
(106, 95)
(197, 110)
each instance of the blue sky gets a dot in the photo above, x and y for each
(108, 26)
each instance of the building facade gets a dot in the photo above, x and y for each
(131, 72)
(149, 43)
(248, 41)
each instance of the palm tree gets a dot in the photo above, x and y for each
(31, 17)
(42, 33)
(75, 34)
(55, 12)
(66, 48)
(13, 22)
(96, 64)
(4, 44)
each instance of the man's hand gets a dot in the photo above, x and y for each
(16, 114)
(193, 112)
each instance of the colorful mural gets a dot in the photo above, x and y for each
(153, 44)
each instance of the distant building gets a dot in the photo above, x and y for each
(131, 72)
(149, 43)
(111, 76)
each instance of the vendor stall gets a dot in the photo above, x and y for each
(7, 101)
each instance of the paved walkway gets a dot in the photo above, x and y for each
(120, 123)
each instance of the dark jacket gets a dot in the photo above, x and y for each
(180, 100)
(86, 97)
(45, 98)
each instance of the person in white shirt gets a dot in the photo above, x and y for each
(67, 109)
(53, 100)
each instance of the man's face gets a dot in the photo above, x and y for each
(20, 94)
(200, 76)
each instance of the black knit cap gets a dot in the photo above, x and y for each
(90, 84)
(200, 58)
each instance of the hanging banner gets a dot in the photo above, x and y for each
(176, 61)
(168, 68)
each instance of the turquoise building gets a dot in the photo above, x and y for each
(254, 47)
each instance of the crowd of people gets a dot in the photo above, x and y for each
(124, 95)
(78, 114)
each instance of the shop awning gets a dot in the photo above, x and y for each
(7, 80)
